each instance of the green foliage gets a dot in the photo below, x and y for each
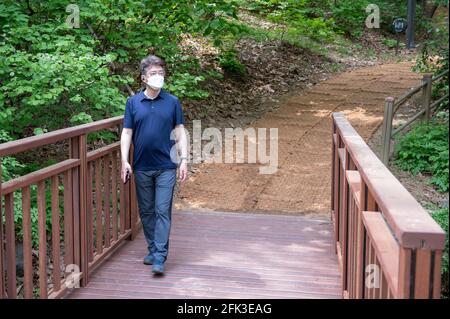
(441, 88)
(49, 74)
(392, 43)
(230, 63)
(425, 149)
(300, 18)
(9, 165)
(326, 20)
(53, 76)
(441, 217)
(183, 84)
(425, 63)
(350, 16)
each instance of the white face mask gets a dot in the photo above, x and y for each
(156, 81)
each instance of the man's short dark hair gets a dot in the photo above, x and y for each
(151, 60)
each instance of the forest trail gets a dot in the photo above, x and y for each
(302, 182)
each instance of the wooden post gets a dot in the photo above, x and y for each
(2, 282)
(345, 221)
(131, 204)
(74, 153)
(333, 151)
(387, 129)
(84, 258)
(78, 150)
(404, 274)
(335, 189)
(426, 95)
(437, 275)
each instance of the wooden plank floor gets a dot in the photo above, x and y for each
(227, 255)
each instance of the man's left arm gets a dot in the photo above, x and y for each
(181, 142)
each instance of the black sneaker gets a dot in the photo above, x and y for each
(158, 269)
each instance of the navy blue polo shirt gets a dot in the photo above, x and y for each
(152, 122)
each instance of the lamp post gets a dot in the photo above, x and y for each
(410, 31)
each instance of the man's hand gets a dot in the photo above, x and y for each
(125, 166)
(183, 171)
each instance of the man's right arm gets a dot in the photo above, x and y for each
(125, 139)
(125, 143)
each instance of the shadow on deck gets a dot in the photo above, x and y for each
(227, 255)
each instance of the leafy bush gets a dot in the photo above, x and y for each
(229, 61)
(441, 88)
(185, 84)
(350, 16)
(301, 18)
(54, 76)
(441, 217)
(425, 149)
(391, 43)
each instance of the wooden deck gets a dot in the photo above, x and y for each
(227, 255)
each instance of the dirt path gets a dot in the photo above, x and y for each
(302, 182)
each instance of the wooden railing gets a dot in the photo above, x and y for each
(392, 105)
(387, 244)
(87, 222)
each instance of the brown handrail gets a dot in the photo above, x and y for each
(439, 76)
(115, 220)
(392, 105)
(28, 143)
(405, 234)
(402, 99)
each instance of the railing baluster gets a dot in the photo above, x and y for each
(436, 293)
(98, 205)
(422, 274)
(84, 262)
(27, 243)
(10, 246)
(345, 219)
(333, 156)
(42, 240)
(371, 262)
(55, 234)
(68, 219)
(384, 286)
(122, 207)
(89, 215)
(335, 185)
(133, 209)
(74, 148)
(403, 290)
(351, 241)
(114, 196)
(2, 273)
(361, 249)
(106, 204)
(366, 262)
(376, 263)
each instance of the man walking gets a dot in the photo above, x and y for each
(150, 118)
